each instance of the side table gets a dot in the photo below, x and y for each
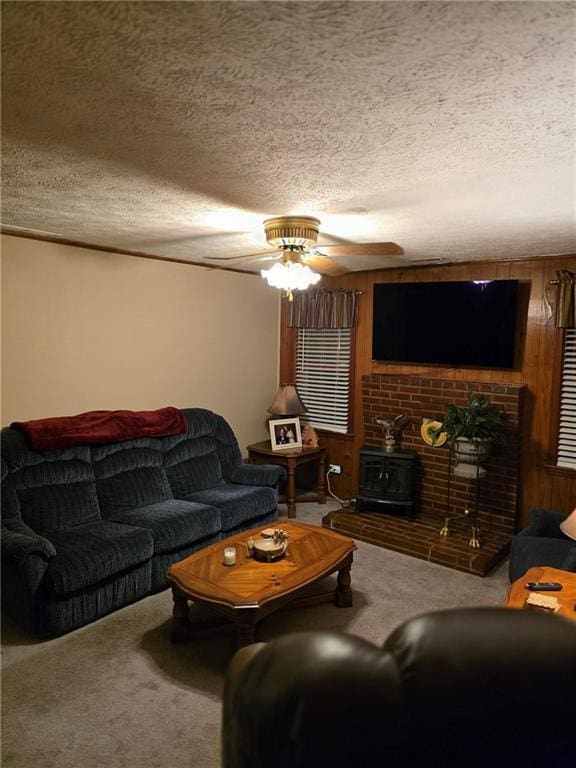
(517, 592)
(262, 453)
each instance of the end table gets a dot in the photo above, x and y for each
(262, 453)
(517, 592)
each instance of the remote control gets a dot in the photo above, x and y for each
(544, 586)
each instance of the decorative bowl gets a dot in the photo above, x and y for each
(268, 533)
(267, 550)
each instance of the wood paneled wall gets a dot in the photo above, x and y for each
(537, 369)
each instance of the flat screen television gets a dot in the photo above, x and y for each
(460, 323)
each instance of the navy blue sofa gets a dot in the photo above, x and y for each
(90, 529)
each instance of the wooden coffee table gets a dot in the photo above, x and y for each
(517, 593)
(250, 590)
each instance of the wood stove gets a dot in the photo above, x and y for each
(387, 480)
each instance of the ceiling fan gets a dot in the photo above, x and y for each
(299, 262)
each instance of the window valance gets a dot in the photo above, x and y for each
(323, 308)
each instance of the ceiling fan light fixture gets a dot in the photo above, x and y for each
(283, 231)
(290, 276)
(294, 236)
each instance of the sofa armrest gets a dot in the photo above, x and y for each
(241, 659)
(256, 474)
(27, 550)
(285, 701)
(544, 522)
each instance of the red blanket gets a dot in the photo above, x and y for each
(95, 427)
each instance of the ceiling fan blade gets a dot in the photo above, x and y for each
(325, 266)
(362, 249)
(435, 260)
(336, 239)
(189, 239)
(263, 256)
(270, 258)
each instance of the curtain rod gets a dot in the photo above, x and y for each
(557, 282)
(339, 290)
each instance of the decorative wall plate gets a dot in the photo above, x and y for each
(429, 434)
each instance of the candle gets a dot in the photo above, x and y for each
(230, 556)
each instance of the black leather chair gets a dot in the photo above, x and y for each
(542, 543)
(473, 688)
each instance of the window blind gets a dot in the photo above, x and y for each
(323, 376)
(567, 426)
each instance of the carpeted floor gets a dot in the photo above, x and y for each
(117, 693)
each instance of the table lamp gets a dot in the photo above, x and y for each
(568, 526)
(287, 402)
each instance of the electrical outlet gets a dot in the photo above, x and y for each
(336, 469)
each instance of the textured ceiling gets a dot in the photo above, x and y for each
(175, 128)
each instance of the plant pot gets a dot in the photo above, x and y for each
(469, 454)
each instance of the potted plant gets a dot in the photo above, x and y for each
(471, 429)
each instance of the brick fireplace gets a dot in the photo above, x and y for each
(388, 396)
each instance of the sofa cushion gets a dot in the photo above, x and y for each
(52, 492)
(238, 503)
(57, 507)
(88, 554)
(206, 432)
(173, 523)
(192, 464)
(129, 475)
(61, 613)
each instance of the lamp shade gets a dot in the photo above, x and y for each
(568, 526)
(287, 402)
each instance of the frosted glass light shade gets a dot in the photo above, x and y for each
(291, 276)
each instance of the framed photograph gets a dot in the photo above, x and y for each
(285, 434)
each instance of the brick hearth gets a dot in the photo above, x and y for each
(421, 538)
(389, 396)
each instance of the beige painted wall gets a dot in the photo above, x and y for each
(85, 330)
